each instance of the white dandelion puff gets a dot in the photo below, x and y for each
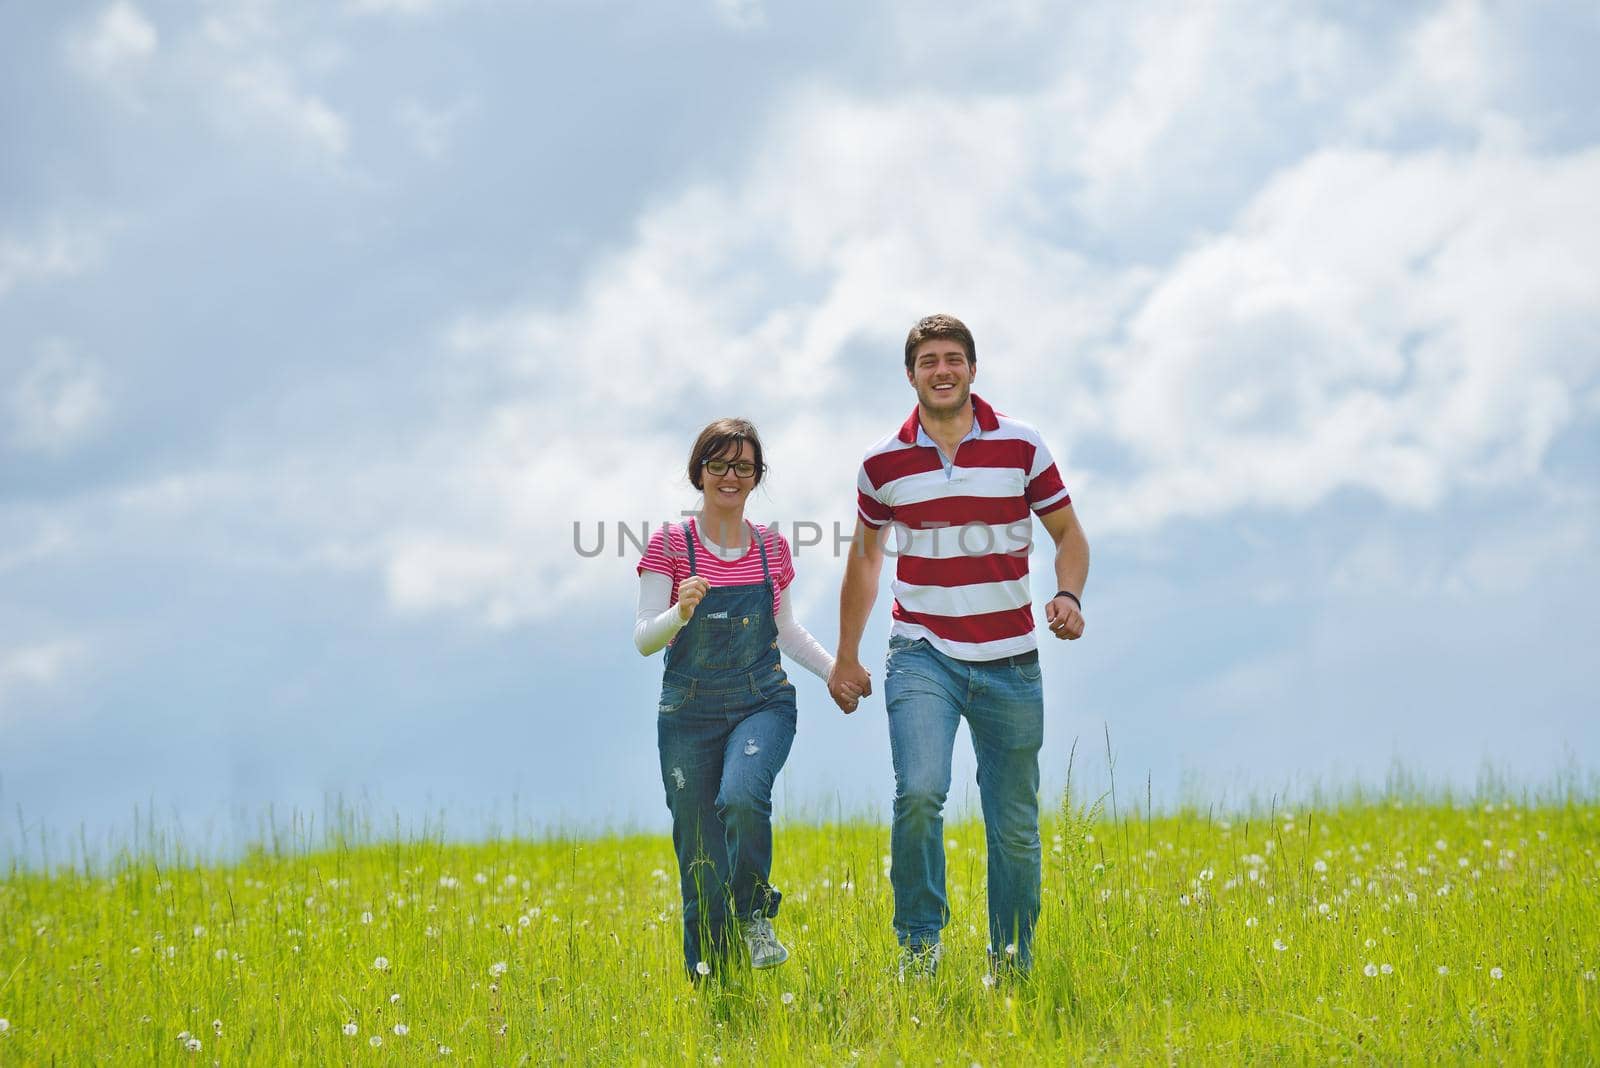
(394, 999)
(1011, 949)
(788, 997)
(216, 1028)
(381, 964)
(702, 968)
(1588, 977)
(1322, 909)
(987, 980)
(1386, 969)
(1277, 944)
(375, 1041)
(1183, 899)
(1251, 921)
(497, 969)
(5, 1025)
(1496, 973)
(445, 1051)
(1370, 970)
(366, 917)
(402, 1030)
(1443, 969)
(1371, 942)
(1320, 866)
(351, 1029)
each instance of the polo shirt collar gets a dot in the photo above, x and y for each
(983, 419)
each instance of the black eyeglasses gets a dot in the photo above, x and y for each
(742, 468)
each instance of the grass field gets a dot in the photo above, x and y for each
(1376, 930)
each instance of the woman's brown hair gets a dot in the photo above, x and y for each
(724, 436)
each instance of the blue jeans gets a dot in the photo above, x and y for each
(927, 693)
(720, 752)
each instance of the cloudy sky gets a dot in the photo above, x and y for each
(322, 325)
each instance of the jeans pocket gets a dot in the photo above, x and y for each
(1030, 672)
(672, 699)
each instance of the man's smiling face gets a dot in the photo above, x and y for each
(942, 375)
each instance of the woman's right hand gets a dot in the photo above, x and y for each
(690, 592)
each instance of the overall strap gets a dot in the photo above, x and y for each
(761, 543)
(688, 539)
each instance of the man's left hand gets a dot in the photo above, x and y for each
(1063, 618)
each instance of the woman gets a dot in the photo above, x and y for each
(711, 592)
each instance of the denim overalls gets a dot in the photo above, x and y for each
(727, 719)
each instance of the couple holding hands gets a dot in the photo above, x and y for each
(711, 592)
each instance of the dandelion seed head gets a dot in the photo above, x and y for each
(394, 999)
(497, 969)
(788, 997)
(1370, 970)
(1371, 942)
(192, 1044)
(1320, 866)
(1386, 969)
(1277, 944)
(987, 980)
(351, 1029)
(1496, 973)
(5, 1025)
(702, 968)
(1251, 921)
(375, 1041)
(1443, 969)
(366, 917)
(381, 964)
(401, 1029)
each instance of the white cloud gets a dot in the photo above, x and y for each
(115, 47)
(431, 130)
(43, 541)
(57, 403)
(1373, 321)
(741, 14)
(265, 94)
(62, 249)
(1447, 68)
(34, 667)
(395, 7)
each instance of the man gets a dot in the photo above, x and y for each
(958, 482)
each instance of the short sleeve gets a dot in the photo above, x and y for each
(1046, 492)
(663, 554)
(782, 562)
(870, 506)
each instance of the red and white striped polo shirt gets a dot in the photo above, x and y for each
(668, 553)
(962, 539)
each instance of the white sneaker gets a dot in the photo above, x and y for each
(921, 962)
(765, 949)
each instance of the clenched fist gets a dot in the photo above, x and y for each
(691, 591)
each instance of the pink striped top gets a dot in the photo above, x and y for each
(668, 554)
(963, 536)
